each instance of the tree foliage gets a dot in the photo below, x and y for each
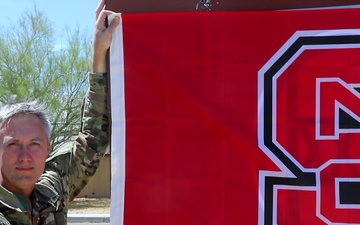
(33, 66)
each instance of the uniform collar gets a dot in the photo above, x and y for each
(14, 201)
(43, 199)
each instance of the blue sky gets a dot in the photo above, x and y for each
(61, 13)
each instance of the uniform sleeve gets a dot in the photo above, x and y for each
(93, 140)
(70, 168)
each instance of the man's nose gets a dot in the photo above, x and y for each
(24, 153)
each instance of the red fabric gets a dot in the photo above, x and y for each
(192, 93)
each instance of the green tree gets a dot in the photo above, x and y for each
(34, 67)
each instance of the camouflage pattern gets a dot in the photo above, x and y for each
(68, 169)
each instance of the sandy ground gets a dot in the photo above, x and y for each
(90, 206)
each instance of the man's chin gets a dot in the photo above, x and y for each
(26, 181)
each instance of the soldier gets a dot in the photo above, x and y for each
(36, 188)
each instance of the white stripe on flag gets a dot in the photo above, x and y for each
(117, 126)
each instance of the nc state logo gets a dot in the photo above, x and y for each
(309, 126)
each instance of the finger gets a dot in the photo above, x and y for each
(104, 13)
(114, 23)
(101, 20)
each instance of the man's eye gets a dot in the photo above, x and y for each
(35, 143)
(12, 145)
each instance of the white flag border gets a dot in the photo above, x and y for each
(117, 126)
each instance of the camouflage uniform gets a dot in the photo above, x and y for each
(68, 169)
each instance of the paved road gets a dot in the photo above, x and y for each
(88, 223)
(93, 219)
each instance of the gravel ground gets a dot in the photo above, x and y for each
(90, 206)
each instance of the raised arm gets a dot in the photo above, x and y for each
(72, 166)
(94, 136)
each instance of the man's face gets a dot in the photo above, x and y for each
(24, 146)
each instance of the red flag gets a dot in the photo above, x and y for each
(239, 118)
